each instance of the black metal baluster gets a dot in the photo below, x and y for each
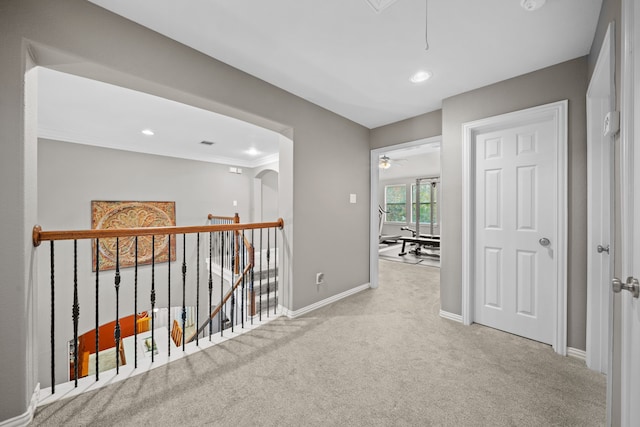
(97, 335)
(135, 308)
(210, 283)
(233, 281)
(229, 249)
(217, 249)
(169, 299)
(252, 283)
(260, 277)
(184, 287)
(75, 312)
(53, 320)
(198, 287)
(242, 291)
(268, 268)
(221, 311)
(275, 270)
(116, 332)
(233, 308)
(153, 295)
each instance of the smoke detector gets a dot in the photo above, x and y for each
(531, 5)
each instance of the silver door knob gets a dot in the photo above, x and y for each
(632, 285)
(544, 242)
(601, 249)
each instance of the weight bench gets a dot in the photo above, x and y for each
(431, 242)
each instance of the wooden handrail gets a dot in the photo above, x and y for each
(221, 304)
(235, 219)
(39, 236)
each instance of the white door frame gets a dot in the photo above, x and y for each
(558, 112)
(600, 99)
(374, 229)
(630, 101)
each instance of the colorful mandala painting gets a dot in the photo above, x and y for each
(108, 215)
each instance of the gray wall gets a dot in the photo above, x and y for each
(270, 196)
(563, 81)
(198, 188)
(18, 210)
(419, 127)
(81, 38)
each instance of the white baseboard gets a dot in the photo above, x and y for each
(451, 316)
(578, 354)
(27, 417)
(293, 314)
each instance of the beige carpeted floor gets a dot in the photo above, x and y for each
(379, 358)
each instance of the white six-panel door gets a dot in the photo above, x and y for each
(516, 194)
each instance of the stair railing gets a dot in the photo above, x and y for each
(241, 252)
(217, 254)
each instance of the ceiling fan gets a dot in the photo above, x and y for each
(385, 162)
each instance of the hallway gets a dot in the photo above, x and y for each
(381, 357)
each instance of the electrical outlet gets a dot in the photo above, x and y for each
(319, 278)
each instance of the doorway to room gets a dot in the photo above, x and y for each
(405, 194)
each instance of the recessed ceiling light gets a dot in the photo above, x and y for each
(252, 151)
(531, 5)
(148, 132)
(421, 76)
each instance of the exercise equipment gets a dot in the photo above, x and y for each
(383, 239)
(429, 241)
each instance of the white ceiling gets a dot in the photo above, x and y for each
(344, 55)
(350, 59)
(411, 162)
(80, 110)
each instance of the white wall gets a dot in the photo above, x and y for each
(270, 196)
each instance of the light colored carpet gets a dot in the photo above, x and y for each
(392, 253)
(379, 358)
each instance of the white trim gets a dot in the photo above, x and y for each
(600, 168)
(374, 229)
(292, 314)
(558, 111)
(25, 418)
(576, 353)
(626, 136)
(629, 116)
(451, 316)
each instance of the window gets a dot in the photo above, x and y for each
(426, 204)
(395, 203)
